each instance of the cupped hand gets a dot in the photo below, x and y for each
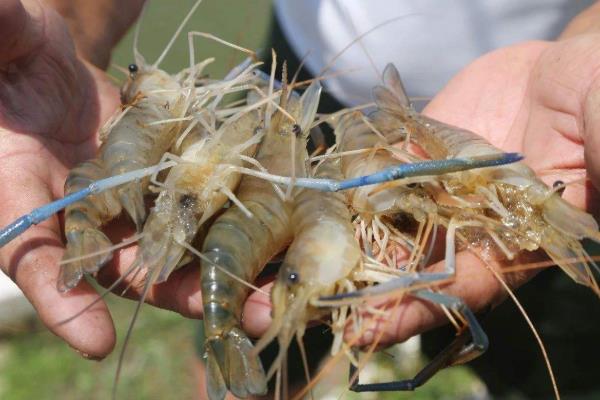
(538, 98)
(51, 105)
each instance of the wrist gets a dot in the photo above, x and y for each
(97, 26)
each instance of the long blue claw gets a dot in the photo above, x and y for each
(386, 287)
(40, 214)
(423, 168)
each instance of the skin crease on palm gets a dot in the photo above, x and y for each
(540, 98)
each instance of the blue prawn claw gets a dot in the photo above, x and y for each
(40, 214)
(424, 168)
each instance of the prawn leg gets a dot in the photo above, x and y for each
(406, 281)
(459, 351)
(439, 362)
(40, 214)
(401, 171)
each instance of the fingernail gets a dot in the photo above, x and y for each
(88, 356)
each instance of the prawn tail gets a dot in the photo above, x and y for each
(393, 94)
(159, 250)
(79, 244)
(571, 257)
(243, 372)
(392, 102)
(132, 199)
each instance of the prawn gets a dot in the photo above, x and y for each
(195, 190)
(243, 245)
(375, 208)
(129, 143)
(508, 203)
(319, 262)
(515, 207)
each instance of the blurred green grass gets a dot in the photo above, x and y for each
(158, 365)
(38, 365)
(245, 23)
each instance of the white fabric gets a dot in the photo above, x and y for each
(431, 42)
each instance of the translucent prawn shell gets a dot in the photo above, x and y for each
(534, 212)
(322, 256)
(208, 157)
(352, 133)
(154, 84)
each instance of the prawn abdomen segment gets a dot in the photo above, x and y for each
(132, 144)
(241, 245)
(83, 221)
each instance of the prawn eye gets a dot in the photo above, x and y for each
(293, 277)
(133, 68)
(296, 130)
(559, 186)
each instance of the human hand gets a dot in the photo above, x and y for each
(537, 98)
(51, 104)
(540, 99)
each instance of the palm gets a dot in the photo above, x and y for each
(50, 108)
(532, 98)
(520, 100)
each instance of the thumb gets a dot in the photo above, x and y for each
(21, 29)
(592, 133)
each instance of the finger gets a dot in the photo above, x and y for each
(180, 293)
(592, 132)
(32, 261)
(474, 283)
(21, 29)
(562, 127)
(257, 312)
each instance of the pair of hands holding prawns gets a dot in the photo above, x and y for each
(538, 98)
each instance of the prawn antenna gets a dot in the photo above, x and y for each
(360, 37)
(176, 34)
(136, 37)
